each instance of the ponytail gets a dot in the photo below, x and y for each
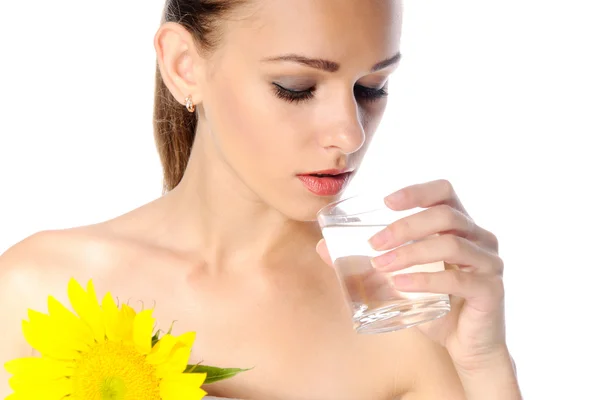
(174, 131)
(174, 125)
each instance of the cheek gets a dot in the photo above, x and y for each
(245, 129)
(371, 116)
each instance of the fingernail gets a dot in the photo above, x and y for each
(383, 260)
(380, 239)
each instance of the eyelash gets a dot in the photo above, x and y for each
(297, 96)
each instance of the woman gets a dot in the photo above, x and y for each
(255, 98)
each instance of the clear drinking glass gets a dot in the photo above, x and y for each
(377, 306)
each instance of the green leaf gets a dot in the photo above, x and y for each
(156, 338)
(171, 328)
(214, 374)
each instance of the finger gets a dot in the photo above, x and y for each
(438, 219)
(425, 195)
(448, 248)
(481, 292)
(323, 252)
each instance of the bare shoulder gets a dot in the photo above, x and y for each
(32, 257)
(54, 253)
(46, 260)
(41, 265)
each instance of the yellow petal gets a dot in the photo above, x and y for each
(125, 324)
(177, 362)
(171, 353)
(143, 325)
(110, 314)
(182, 387)
(128, 313)
(39, 332)
(39, 368)
(87, 307)
(72, 328)
(91, 291)
(162, 349)
(187, 379)
(187, 339)
(56, 389)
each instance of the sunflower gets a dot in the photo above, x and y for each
(104, 353)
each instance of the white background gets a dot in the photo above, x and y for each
(502, 98)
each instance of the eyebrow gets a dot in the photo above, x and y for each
(330, 66)
(387, 62)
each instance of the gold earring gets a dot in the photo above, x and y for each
(189, 105)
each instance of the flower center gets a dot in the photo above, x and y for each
(113, 388)
(114, 371)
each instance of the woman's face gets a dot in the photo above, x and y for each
(297, 87)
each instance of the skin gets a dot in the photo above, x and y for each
(230, 252)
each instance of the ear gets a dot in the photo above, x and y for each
(180, 62)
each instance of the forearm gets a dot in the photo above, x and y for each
(495, 379)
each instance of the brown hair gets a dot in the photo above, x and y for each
(174, 126)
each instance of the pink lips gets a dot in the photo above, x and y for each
(327, 182)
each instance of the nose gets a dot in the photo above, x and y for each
(345, 131)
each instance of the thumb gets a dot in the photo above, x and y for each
(323, 252)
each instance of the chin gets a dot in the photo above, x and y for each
(299, 203)
(305, 208)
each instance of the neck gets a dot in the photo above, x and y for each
(227, 224)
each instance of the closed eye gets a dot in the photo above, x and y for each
(360, 92)
(293, 96)
(369, 94)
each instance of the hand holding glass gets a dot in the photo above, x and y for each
(377, 306)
